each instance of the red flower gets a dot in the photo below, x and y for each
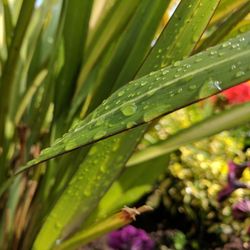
(237, 94)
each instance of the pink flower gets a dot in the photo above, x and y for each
(241, 210)
(235, 172)
(130, 238)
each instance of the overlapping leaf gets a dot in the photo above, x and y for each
(159, 93)
(223, 121)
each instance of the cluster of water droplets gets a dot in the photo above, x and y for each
(137, 102)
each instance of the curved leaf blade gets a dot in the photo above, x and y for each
(159, 93)
(223, 121)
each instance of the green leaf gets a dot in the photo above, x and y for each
(77, 15)
(225, 120)
(122, 62)
(159, 93)
(107, 225)
(225, 27)
(9, 71)
(8, 29)
(129, 187)
(104, 35)
(102, 160)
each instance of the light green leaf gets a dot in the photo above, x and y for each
(9, 71)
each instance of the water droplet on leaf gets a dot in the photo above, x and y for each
(128, 109)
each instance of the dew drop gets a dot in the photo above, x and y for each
(179, 90)
(165, 72)
(233, 67)
(239, 74)
(102, 168)
(128, 109)
(187, 66)
(130, 124)
(217, 85)
(212, 52)
(172, 93)
(121, 93)
(87, 192)
(226, 44)
(192, 87)
(209, 87)
(58, 241)
(99, 122)
(198, 59)
(177, 63)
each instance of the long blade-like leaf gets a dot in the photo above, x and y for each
(223, 121)
(159, 93)
(109, 157)
(129, 187)
(8, 74)
(225, 27)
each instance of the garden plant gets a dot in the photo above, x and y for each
(83, 83)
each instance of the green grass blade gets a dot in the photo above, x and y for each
(128, 52)
(159, 93)
(180, 29)
(8, 23)
(89, 194)
(225, 120)
(77, 16)
(126, 56)
(9, 70)
(104, 35)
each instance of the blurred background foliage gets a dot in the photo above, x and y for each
(188, 191)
